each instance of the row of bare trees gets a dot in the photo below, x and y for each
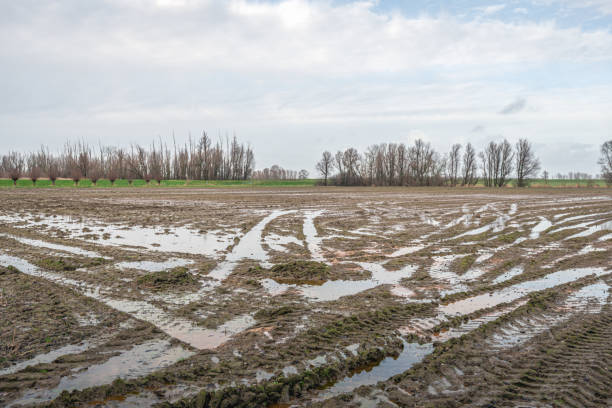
(392, 164)
(276, 172)
(199, 159)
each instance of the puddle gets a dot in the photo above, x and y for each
(472, 324)
(152, 266)
(407, 250)
(58, 247)
(48, 357)
(606, 226)
(333, 290)
(249, 247)
(179, 328)
(172, 239)
(136, 362)
(412, 354)
(543, 225)
(278, 242)
(313, 240)
(588, 299)
(517, 270)
(514, 292)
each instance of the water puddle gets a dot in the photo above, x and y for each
(57, 247)
(249, 247)
(606, 226)
(279, 242)
(517, 270)
(314, 242)
(174, 239)
(543, 225)
(49, 357)
(152, 266)
(406, 250)
(412, 354)
(514, 292)
(333, 290)
(136, 362)
(589, 299)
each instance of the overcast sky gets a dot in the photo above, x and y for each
(297, 77)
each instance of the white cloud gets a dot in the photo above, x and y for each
(292, 36)
(492, 9)
(283, 73)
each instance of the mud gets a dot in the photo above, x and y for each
(323, 296)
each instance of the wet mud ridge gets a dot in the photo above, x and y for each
(305, 297)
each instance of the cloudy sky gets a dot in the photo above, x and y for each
(297, 77)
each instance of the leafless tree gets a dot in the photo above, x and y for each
(13, 165)
(303, 174)
(527, 165)
(605, 161)
(497, 163)
(453, 163)
(76, 175)
(545, 176)
(53, 170)
(95, 171)
(325, 166)
(469, 166)
(34, 171)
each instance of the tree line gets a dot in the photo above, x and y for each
(396, 164)
(196, 159)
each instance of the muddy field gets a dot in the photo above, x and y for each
(306, 297)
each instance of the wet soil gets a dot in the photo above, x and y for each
(301, 296)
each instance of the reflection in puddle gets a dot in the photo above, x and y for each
(152, 266)
(313, 240)
(279, 242)
(48, 357)
(333, 290)
(140, 360)
(249, 247)
(176, 239)
(517, 291)
(543, 225)
(58, 247)
(606, 226)
(411, 354)
(588, 299)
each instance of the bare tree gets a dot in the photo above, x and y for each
(545, 176)
(303, 175)
(453, 163)
(53, 170)
(34, 171)
(497, 163)
(13, 164)
(95, 171)
(76, 175)
(326, 165)
(527, 165)
(605, 161)
(469, 166)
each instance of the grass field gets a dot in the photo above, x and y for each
(86, 183)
